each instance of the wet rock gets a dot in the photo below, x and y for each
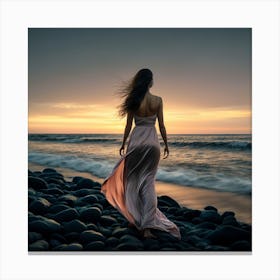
(211, 216)
(165, 200)
(95, 246)
(112, 241)
(69, 199)
(225, 235)
(211, 208)
(34, 236)
(90, 214)
(72, 237)
(241, 245)
(227, 213)
(66, 215)
(91, 235)
(44, 226)
(74, 226)
(39, 206)
(107, 220)
(58, 208)
(73, 247)
(37, 183)
(86, 183)
(40, 245)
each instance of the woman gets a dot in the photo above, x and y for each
(130, 187)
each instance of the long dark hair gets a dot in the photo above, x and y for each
(134, 91)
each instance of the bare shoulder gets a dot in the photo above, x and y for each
(157, 99)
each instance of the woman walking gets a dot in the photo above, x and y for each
(130, 187)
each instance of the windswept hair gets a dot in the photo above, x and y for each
(134, 91)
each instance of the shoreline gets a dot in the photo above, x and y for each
(191, 197)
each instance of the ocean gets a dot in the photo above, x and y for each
(220, 162)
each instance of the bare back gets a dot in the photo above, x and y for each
(149, 106)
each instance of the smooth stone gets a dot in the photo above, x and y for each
(32, 217)
(197, 221)
(193, 239)
(74, 226)
(211, 216)
(40, 245)
(207, 225)
(54, 191)
(57, 180)
(99, 205)
(130, 238)
(31, 192)
(86, 183)
(150, 243)
(128, 246)
(168, 249)
(72, 237)
(37, 183)
(210, 207)
(76, 179)
(216, 248)
(34, 236)
(105, 231)
(58, 237)
(95, 246)
(37, 173)
(230, 220)
(88, 236)
(227, 213)
(54, 243)
(104, 203)
(172, 210)
(58, 208)
(82, 192)
(88, 199)
(164, 236)
(66, 215)
(69, 199)
(120, 231)
(191, 214)
(107, 220)
(44, 226)
(39, 206)
(60, 247)
(52, 199)
(90, 214)
(73, 247)
(225, 235)
(241, 245)
(112, 241)
(168, 201)
(49, 170)
(92, 226)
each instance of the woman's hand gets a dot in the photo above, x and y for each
(166, 152)
(122, 150)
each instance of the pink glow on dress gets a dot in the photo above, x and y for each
(130, 187)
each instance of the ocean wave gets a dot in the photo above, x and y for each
(102, 168)
(241, 145)
(73, 139)
(225, 145)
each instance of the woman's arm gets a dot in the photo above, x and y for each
(162, 127)
(127, 129)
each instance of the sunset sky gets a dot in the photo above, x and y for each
(202, 74)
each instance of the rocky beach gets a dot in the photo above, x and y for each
(73, 215)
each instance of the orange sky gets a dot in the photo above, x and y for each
(202, 74)
(102, 118)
